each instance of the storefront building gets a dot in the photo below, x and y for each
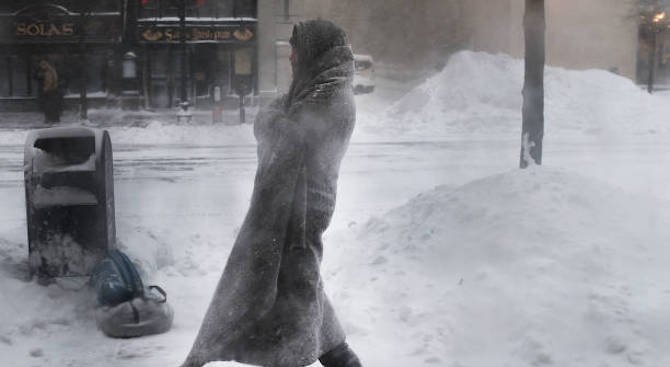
(128, 53)
(231, 47)
(219, 50)
(77, 38)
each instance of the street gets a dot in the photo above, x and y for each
(181, 193)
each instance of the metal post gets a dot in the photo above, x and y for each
(83, 100)
(10, 73)
(146, 78)
(652, 60)
(170, 76)
(182, 41)
(29, 74)
(242, 113)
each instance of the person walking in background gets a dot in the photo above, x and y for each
(270, 308)
(49, 94)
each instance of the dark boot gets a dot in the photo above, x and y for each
(341, 356)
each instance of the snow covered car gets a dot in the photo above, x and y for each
(364, 76)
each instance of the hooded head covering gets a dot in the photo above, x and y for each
(323, 54)
(313, 38)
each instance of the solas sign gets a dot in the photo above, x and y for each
(43, 30)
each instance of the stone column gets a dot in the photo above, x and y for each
(275, 23)
(267, 73)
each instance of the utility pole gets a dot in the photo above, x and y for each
(83, 80)
(532, 132)
(182, 42)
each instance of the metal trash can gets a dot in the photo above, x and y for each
(69, 186)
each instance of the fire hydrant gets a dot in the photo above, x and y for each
(184, 115)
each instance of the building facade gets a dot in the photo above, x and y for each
(580, 34)
(60, 33)
(139, 53)
(219, 50)
(404, 34)
(599, 34)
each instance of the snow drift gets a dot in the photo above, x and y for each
(480, 93)
(528, 268)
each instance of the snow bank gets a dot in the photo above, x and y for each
(533, 267)
(480, 93)
(157, 133)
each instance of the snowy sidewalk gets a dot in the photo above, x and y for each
(117, 118)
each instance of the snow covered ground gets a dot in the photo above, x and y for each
(441, 252)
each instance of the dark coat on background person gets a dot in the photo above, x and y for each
(49, 94)
(269, 307)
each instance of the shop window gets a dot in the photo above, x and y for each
(246, 8)
(283, 9)
(71, 5)
(159, 8)
(243, 61)
(20, 77)
(95, 69)
(10, 6)
(104, 5)
(157, 79)
(159, 63)
(6, 78)
(198, 8)
(223, 70)
(164, 76)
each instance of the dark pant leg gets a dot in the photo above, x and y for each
(341, 356)
(52, 107)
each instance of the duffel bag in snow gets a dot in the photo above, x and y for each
(126, 308)
(116, 280)
(146, 315)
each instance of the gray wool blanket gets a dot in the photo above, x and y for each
(269, 308)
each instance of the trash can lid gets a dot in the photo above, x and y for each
(60, 132)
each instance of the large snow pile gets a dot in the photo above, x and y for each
(528, 268)
(481, 93)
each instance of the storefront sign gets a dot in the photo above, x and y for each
(61, 29)
(196, 34)
(47, 23)
(43, 30)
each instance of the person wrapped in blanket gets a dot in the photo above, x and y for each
(269, 307)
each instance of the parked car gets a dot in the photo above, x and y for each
(364, 76)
